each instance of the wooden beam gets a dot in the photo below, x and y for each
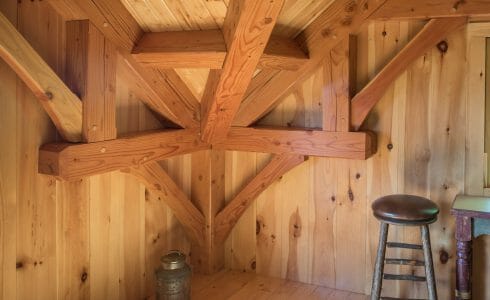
(173, 100)
(353, 145)
(91, 73)
(158, 181)
(432, 33)
(428, 9)
(208, 194)
(207, 49)
(334, 24)
(62, 105)
(72, 161)
(109, 16)
(247, 27)
(340, 89)
(229, 216)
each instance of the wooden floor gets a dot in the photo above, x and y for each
(240, 285)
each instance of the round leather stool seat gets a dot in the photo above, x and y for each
(405, 210)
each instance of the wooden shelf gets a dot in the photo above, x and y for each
(242, 285)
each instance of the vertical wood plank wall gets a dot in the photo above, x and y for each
(97, 238)
(315, 224)
(102, 237)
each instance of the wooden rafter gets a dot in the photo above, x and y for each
(91, 73)
(353, 145)
(427, 9)
(158, 181)
(247, 27)
(62, 105)
(207, 49)
(120, 27)
(340, 19)
(432, 33)
(228, 217)
(72, 161)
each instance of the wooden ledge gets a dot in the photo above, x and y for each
(72, 161)
(353, 145)
(207, 49)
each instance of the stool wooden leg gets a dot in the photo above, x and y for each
(429, 265)
(380, 261)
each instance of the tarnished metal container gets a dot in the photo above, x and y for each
(173, 277)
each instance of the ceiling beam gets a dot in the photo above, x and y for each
(353, 145)
(340, 19)
(227, 218)
(431, 34)
(61, 104)
(120, 27)
(207, 49)
(428, 9)
(159, 182)
(91, 73)
(72, 161)
(247, 28)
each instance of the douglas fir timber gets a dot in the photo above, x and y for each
(323, 34)
(207, 49)
(247, 28)
(432, 33)
(61, 104)
(71, 161)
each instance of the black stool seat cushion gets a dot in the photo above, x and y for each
(405, 209)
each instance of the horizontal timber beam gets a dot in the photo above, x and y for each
(332, 26)
(424, 9)
(207, 49)
(229, 216)
(158, 181)
(72, 161)
(432, 33)
(62, 105)
(353, 145)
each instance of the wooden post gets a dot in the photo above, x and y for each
(208, 194)
(91, 73)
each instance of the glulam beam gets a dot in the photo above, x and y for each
(60, 103)
(247, 28)
(431, 34)
(353, 145)
(207, 49)
(227, 218)
(72, 161)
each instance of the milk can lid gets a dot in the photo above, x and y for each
(173, 260)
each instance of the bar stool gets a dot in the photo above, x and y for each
(404, 210)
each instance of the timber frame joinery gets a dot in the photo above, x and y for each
(221, 120)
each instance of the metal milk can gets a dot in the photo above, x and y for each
(173, 277)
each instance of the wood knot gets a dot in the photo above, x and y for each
(442, 46)
(351, 194)
(350, 7)
(389, 146)
(84, 276)
(268, 20)
(358, 176)
(332, 198)
(49, 95)
(443, 256)
(326, 32)
(19, 265)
